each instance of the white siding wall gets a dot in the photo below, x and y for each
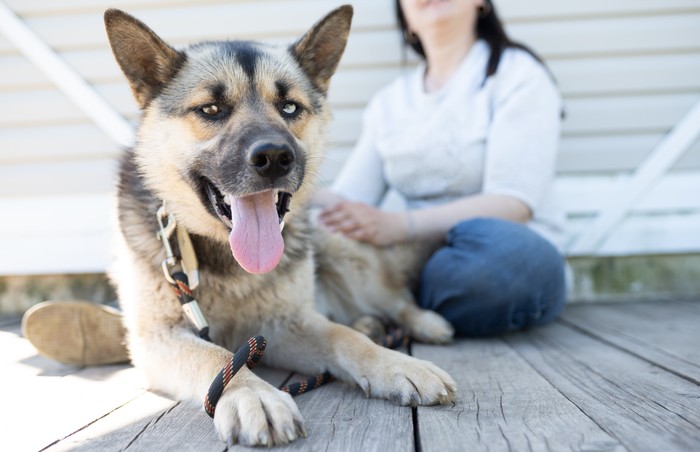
(628, 69)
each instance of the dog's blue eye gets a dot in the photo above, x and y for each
(211, 110)
(290, 109)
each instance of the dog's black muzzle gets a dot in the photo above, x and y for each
(253, 160)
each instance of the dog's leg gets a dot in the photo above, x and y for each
(310, 343)
(250, 411)
(176, 361)
(422, 325)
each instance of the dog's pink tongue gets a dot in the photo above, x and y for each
(256, 239)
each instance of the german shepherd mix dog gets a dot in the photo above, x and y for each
(229, 131)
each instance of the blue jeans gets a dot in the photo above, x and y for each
(492, 277)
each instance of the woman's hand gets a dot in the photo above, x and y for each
(365, 223)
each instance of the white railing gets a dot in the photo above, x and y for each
(65, 78)
(674, 145)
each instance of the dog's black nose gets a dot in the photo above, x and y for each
(271, 160)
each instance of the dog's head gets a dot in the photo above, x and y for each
(231, 129)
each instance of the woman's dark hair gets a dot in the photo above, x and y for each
(488, 27)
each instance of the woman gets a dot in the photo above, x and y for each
(470, 140)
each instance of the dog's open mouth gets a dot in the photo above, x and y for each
(256, 221)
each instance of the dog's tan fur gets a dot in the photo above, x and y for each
(174, 143)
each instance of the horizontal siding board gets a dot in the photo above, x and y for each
(83, 176)
(67, 214)
(28, 8)
(627, 74)
(56, 234)
(584, 196)
(547, 9)
(611, 36)
(368, 48)
(51, 106)
(615, 153)
(602, 36)
(648, 235)
(509, 9)
(54, 143)
(611, 114)
(44, 254)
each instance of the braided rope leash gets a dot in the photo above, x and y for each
(251, 352)
(248, 354)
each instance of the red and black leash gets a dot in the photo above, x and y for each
(251, 352)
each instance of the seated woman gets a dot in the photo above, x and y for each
(470, 140)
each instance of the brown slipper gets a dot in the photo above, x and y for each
(76, 332)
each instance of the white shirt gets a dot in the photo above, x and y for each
(467, 138)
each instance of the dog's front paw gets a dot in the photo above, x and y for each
(257, 414)
(429, 327)
(408, 381)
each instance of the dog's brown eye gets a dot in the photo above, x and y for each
(211, 110)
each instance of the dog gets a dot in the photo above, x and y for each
(230, 131)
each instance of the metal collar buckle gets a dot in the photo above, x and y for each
(187, 259)
(185, 263)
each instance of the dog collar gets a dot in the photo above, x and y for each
(181, 271)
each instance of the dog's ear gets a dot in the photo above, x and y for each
(319, 50)
(146, 60)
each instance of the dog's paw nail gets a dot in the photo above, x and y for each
(264, 438)
(365, 386)
(443, 393)
(291, 436)
(301, 430)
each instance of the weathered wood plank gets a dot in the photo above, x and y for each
(42, 410)
(339, 418)
(154, 422)
(640, 404)
(502, 404)
(180, 426)
(666, 333)
(116, 429)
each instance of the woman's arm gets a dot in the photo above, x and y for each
(368, 224)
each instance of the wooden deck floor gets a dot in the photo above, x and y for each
(605, 377)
